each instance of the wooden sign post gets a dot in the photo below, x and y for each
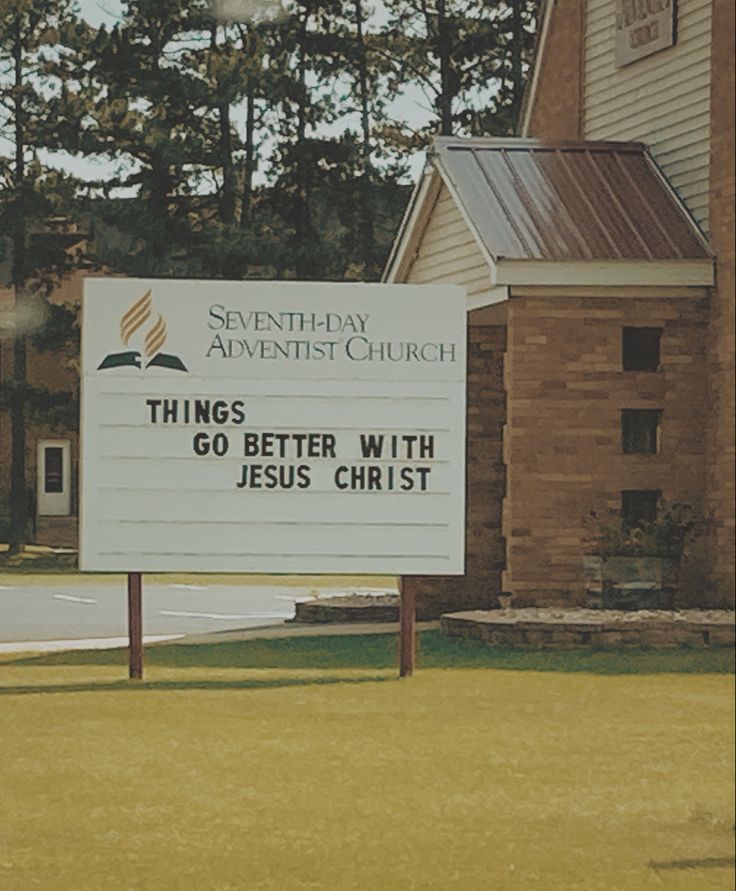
(407, 630)
(135, 626)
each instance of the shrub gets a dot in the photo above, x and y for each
(607, 534)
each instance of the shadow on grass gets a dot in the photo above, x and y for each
(376, 651)
(193, 684)
(706, 863)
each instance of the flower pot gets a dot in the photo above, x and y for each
(638, 582)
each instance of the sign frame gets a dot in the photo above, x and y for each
(169, 368)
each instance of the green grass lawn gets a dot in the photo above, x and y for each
(304, 763)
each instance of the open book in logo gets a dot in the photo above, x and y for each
(130, 324)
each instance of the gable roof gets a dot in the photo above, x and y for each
(567, 213)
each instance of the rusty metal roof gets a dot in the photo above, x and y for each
(530, 200)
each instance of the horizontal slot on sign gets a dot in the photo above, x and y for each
(265, 565)
(259, 505)
(258, 538)
(264, 539)
(274, 459)
(299, 523)
(274, 554)
(302, 494)
(352, 397)
(366, 428)
(146, 386)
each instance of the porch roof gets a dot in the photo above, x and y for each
(578, 213)
(575, 201)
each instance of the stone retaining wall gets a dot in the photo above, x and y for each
(609, 629)
(347, 609)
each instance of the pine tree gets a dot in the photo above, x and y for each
(466, 57)
(147, 113)
(365, 75)
(36, 39)
(241, 81)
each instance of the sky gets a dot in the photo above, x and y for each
(100, 12)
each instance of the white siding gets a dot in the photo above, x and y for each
(662, 100)
(448, 251)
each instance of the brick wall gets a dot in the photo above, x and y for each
(721, 340)
(565, 392)
(56, 373)
(557, 109)
(478, 588)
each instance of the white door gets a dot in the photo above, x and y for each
(53, 478)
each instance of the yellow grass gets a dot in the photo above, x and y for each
(223, 778)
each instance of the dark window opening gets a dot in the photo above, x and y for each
(639, 505)
(640, 431)
(641, 349)
(53, 469)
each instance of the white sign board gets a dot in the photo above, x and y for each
(272, 427)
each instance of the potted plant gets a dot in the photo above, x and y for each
(636, 565)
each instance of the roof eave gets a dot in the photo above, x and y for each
(407, 229)
(606, 273)
(680, 204)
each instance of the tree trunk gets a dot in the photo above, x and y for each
(250, 156)
(227, 196)
(227, 205)
(160, 183)
(18, 496)
(517, 48)
(366, 235)
(301, 197)
(444, 51)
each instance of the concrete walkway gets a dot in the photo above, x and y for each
(279, 630)
(292, 629)
(92, 643)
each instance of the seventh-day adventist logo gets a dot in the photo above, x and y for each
(132, 322)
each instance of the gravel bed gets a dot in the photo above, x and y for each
(559, 616)
(340, 600)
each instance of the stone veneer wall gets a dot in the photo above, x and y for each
(602, 631)
(722, 340)
(484, 546)
(565, 390)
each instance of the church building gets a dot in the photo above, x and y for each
(597, 250)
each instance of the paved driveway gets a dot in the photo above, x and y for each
(65, 612)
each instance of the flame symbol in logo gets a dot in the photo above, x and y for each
(156, 337)
(135, 317)
(131, 322)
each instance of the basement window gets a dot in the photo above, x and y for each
(641, 349)
(640, 431)
(639, 505)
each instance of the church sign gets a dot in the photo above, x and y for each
(643, 27)
(273, 427)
